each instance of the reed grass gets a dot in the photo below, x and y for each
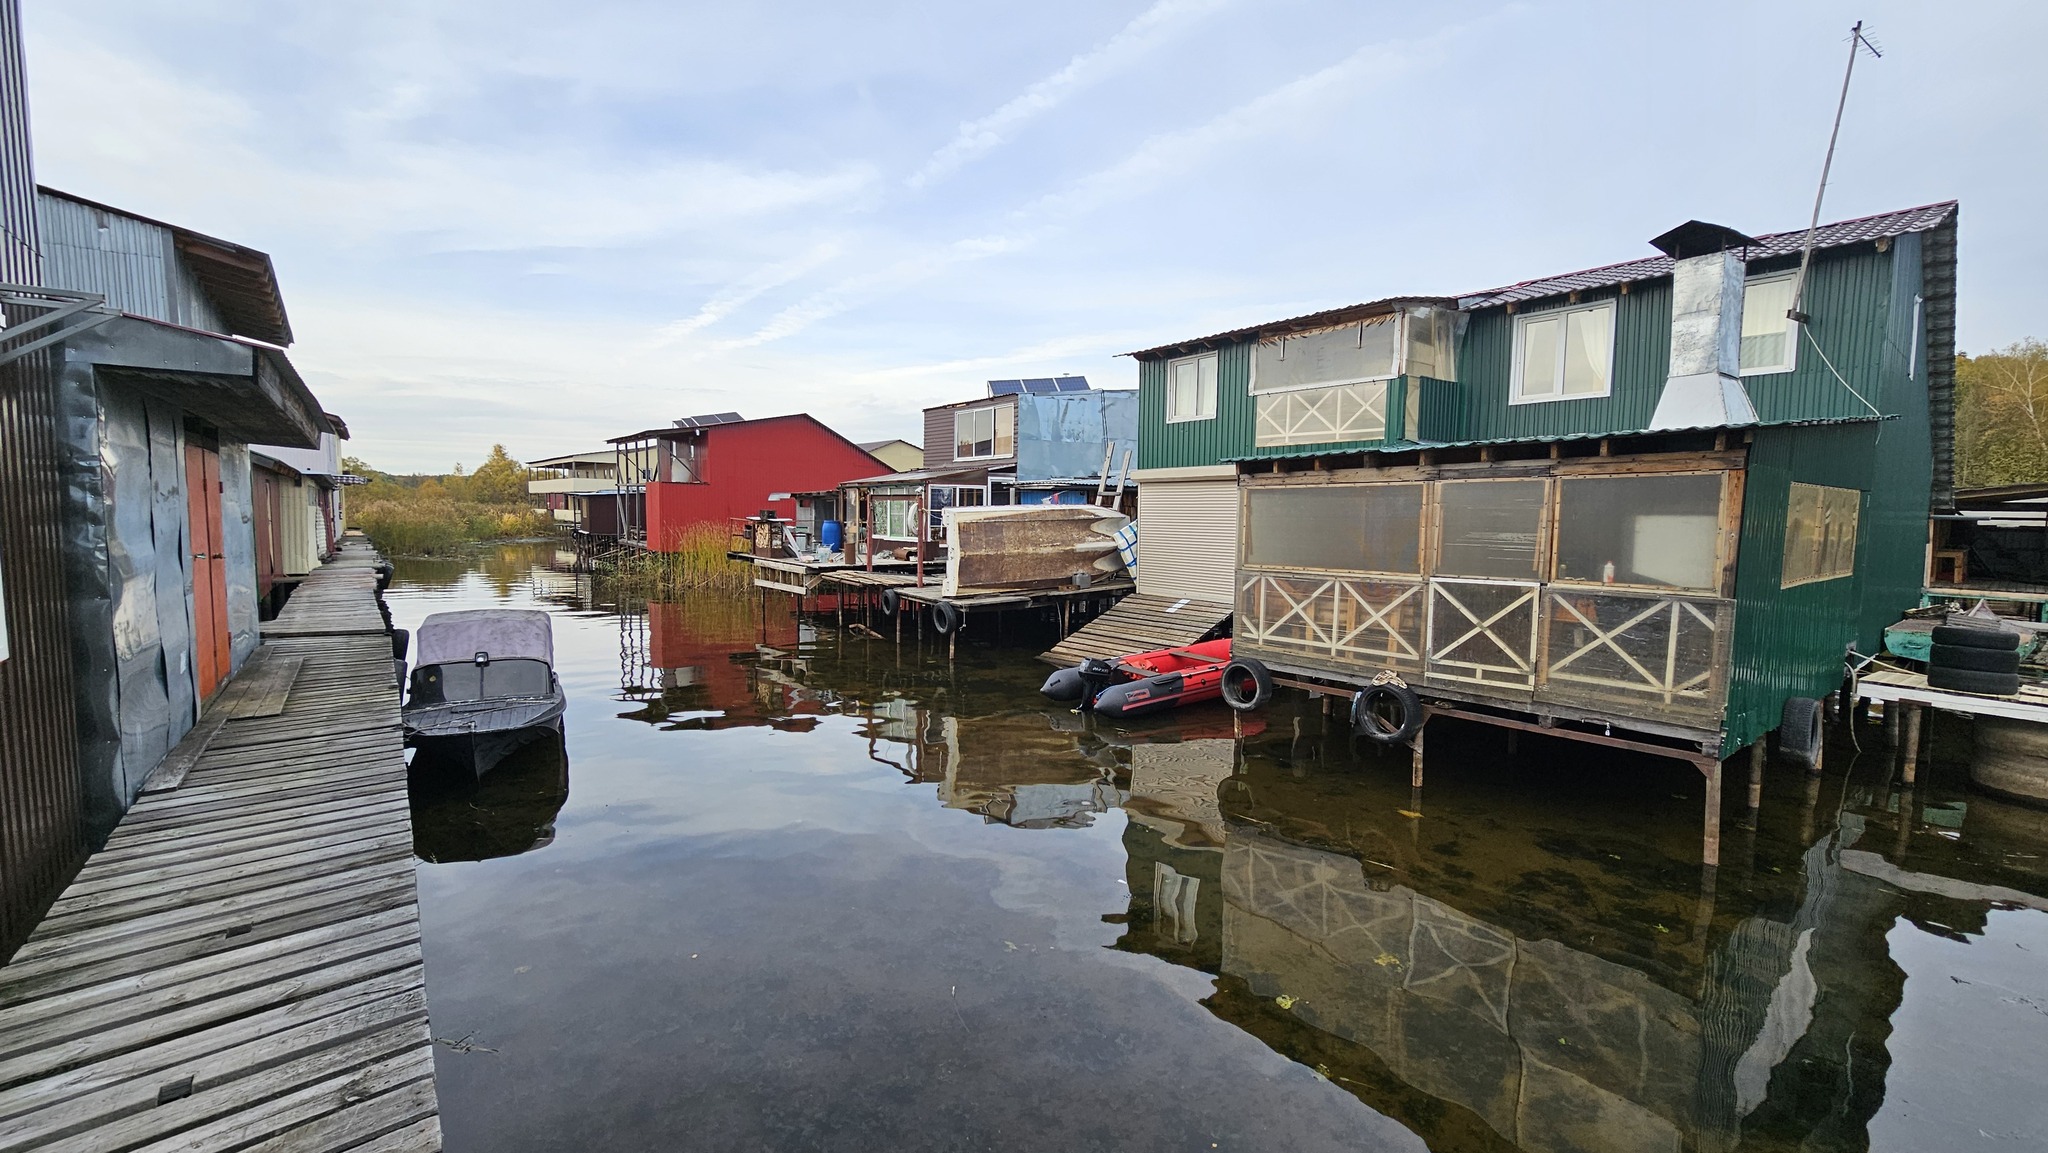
(697, 562)
(444, 527)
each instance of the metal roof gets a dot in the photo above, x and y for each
(1328, 318)
(601, 456)
(240, 279)
(918, 475)
(1862, 229)
(1858, 231)
(1419, 445)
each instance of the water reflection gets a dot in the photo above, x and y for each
(1525, 955)
(458, 816)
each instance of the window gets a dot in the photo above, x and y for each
(495, 680)
(1490, 528)
(1661, 530)
(1350, 528)
(1191, 389)
(1564, 355)
(1770, 341)
(984, 432)
(1820, 533)
(892, 518)
(1348, 355)
(945, 496)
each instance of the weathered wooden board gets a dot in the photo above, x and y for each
(240, 967)
(1031, 546)
(1139, 624)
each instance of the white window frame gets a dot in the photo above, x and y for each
(1216, 382)
(1792, 332)
(994, 411)
(908, 504)
(1522, 322)
(935, 513)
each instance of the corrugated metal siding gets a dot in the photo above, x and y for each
(1187, 539)
(1900, 463)
(938, 435)
(1642, 360)
(1849, 296)
(133, 263)
(42, 835)
(1193, 443)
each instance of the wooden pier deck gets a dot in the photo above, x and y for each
(1138, 624)
(240, 966)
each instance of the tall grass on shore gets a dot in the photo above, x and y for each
(443, 527)
(698, 562)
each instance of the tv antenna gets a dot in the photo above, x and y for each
(1858, 43)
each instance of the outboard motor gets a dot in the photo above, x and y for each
(1080, 682)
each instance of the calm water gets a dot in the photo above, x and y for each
(796, 890)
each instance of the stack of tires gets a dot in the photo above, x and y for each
(1972, 658)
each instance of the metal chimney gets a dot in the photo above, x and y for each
(1704, 389)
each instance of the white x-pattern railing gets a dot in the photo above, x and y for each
(1343, 618)
(1323, 415)
(1509, 656)
(1665, 678)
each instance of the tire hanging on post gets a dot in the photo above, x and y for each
(947, 617)
(1368, 717)
(1247, 684)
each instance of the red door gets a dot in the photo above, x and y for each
(211, 654)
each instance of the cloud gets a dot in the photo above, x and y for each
(1134, 40)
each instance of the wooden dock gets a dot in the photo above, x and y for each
(1138, 624)
(240, 966)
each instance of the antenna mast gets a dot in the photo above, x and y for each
(1857, 41)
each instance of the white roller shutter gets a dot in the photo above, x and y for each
(1187, 539)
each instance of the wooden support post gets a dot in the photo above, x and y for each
(1892, 709)
(1913, 741)
(1710, 836)
(1903, 840)
(1806, 810)
(899, 624)
(1415, 756)
(953, 638)
(1756, 776)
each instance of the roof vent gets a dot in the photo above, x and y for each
(1704, 389)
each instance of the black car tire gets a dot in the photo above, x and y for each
(1996, 637)
(1974, 660)
(1367, 722)
(1247, 684)
(890, 602)
(1971, 681)
(1799, 731)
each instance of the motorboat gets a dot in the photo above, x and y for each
(1140, 683)
(483, 685)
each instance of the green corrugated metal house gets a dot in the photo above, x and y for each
(1637, 496)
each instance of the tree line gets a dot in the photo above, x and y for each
(2002, 416)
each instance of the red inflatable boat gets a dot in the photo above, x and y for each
(1143, 683)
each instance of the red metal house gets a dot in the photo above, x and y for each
(713, 469)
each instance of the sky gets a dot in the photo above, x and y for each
(544, 225)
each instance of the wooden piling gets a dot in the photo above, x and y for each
(1912, 739)
(1415, 757)
(1756, 776)
(1710, 833)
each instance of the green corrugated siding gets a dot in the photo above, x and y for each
(1188, 444)
(1848, 295)
(1789, 642)
(1642, 356)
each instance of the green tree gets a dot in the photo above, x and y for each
(498, 480)
(2002, 416)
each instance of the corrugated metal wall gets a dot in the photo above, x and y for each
(134, 264)
(1642, 358)
(42, 839)
(1192, 443)
(1790, 642)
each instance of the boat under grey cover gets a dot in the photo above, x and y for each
(483, 685)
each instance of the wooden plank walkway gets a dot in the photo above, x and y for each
(1138, 624)
(337, 599)
(1882, 683)
(240, 968)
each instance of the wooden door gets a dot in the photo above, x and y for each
(212, 655)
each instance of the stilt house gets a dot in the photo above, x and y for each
(1658, 498)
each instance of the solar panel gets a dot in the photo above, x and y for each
(1072, 383)
(1005, 387)
(709, 419)
(1039, 386)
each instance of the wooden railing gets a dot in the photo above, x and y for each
(1341, 412)
(1593, 646)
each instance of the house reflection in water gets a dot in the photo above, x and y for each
(1479, 1036)
(706, 663)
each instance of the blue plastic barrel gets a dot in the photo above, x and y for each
(830, 535)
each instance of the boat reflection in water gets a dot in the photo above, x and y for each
(457, 816)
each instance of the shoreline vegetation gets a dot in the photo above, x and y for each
(698, 563)
(429, 515)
